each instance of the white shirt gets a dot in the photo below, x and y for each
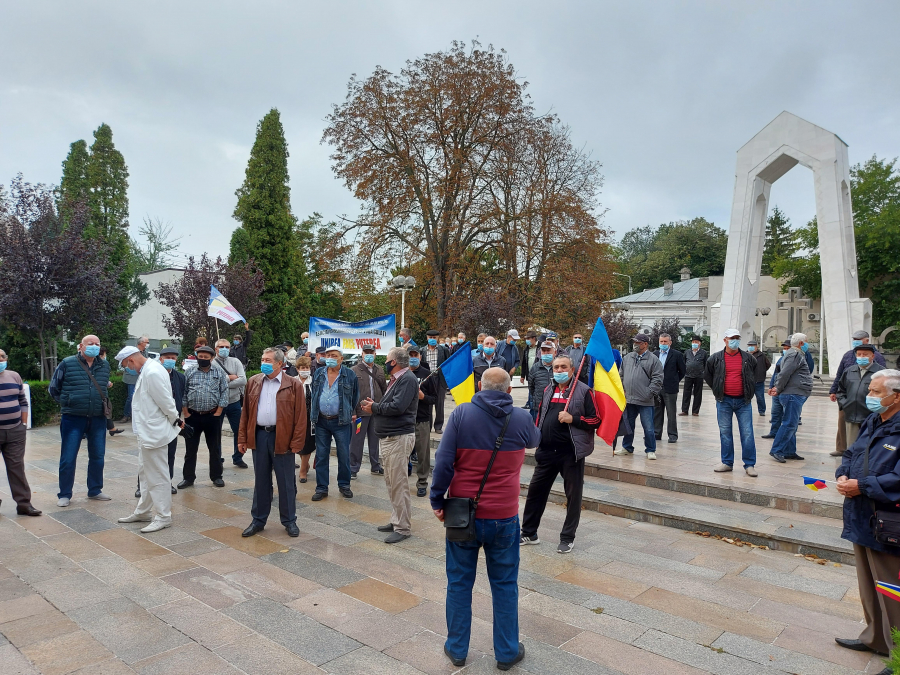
(267, 410)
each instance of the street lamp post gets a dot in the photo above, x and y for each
(403, 284)
(761, 312)
(629, 281)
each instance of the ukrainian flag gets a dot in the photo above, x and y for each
(459, 374)
(609, 394)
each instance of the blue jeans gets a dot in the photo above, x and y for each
(232, 413)
(325, 431)
(785, 443)
(646, 413)
(777, 413)
(73, 428)
(736, 406)
(128, 399)
(500, 539)
(761, 397)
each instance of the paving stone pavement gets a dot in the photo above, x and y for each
(80, 593)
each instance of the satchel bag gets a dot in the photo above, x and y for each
(459, 512)
(107, 405)
(885, 523)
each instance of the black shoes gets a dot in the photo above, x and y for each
(27, 510)
(241, 464)
(253, 529)
(319, 496)
(421, 492)
(185, 484)
(394, 537)
(793, 457)
(778, 458)
(353, 475)
(218, 482)
(386, 528)
(346, 492)
(856, 645)
(414, 457)
(506, 665)
(137, 493)
(455, 661)
(673, 440)
(377, 472)
(292, 530)
(174, 491)
(768, 436)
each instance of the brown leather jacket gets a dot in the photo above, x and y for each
(290, 432)
(362, 374)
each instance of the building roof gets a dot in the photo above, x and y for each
(682, 291)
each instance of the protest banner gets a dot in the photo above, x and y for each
(351, 336)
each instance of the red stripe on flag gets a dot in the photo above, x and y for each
(610, 414)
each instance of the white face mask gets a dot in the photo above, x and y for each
(303, 373)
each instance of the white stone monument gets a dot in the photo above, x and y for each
(785, 142)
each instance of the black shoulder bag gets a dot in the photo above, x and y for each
(104, 398)
(886, 523)
(459, 512)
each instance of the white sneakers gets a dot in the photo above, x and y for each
(751, 471)
(135, 518)
(155, 526)
(651, 455)
(620, 452)
(722, 468)
(100, 497)
(63, 501)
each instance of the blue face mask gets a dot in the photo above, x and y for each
(432, 341)
(805, 347)
(873, 403)
(695, 346)
(130, 371)
(305, 341)
(480, 347)
(784, 352)
(92, 351)
(751, 348)
(547, 358)
(369, 358)
(2, 366)
(862, 360)
(577, 341)
(460, 340)
(664, 348)
(488, 350)
(331, 363)
(856, 343)
(267, 368)
(236, 342)
(169, 364)
(223, 352)
(734, 344)
(413, 362)
(561, 378)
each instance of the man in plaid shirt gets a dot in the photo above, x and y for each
(205, 397)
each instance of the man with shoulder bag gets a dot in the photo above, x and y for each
(477, 465)
(869, 480)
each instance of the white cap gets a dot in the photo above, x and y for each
(335, 348)
(513, 333)
(732, 332)
(126, 352)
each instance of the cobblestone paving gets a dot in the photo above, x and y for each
(80, 593)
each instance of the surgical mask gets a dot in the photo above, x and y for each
(236, 342)
(547, 358)
(306, 341)
(432, 341)
(92, 351)
(169, 364)
(873, 403)
(223, 352)
(480, 347)
(664, 348)
(369, 358)
(267, 368)
(202, 364)
(414, 362)
(856, 343)
(561, 378)
(577, 341)
(751, 348)
(695, 346)
(331, 363)
(784, 352)
(805, 347)
(527, 342)
(460, 340)
(2, 366)
(130, 371)
(488, 350)
(862, 360)
(734, 344)
(303, 373)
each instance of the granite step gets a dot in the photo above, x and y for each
(805, 534)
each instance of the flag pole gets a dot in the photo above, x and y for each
(217, 328)
(578, 375)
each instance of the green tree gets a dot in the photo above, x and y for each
(781, 242)
(74, 187)
(266, 234)
(804, 268)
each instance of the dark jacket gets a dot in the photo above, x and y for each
(880, 488)
(179, 383)
(794, 378)
(847, 360)
(365, 391)
(762, 365)
(396, 414)
(240, 351)
(442, 355)
(852, 390)
(809, 364)
(73, 390)
(583, 423)
(695, 364)
(523, 359)
(466, 448)
(538, 379)
(715, 374)
(510, 354)
(349, 394)
(429, 393)
(480, 364)
(673, 370)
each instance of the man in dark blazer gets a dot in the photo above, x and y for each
(672, 361)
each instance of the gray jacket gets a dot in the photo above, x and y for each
(794, 378)
(852, 390)
(695, 363)
(642, 377)
(538, 379)
(233, 366)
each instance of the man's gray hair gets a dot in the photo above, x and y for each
(797, 338)
(143, 337)
(567, 358)
(277, 354)
(405, 331)
(400, 355)
(662, 335)
(495, 379)
(891, 377)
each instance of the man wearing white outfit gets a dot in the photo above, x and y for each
(155, 422)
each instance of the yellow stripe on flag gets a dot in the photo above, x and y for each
(609, 383)
(463, 393)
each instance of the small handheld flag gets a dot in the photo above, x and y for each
(815, 484)
(358, 424)
(220, 308)
(609, 394)
(890, 590)
(459, 374)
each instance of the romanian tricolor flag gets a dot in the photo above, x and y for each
(609, 394)
(815, 484)
(459, 374)
(219, 307)
(891, 591)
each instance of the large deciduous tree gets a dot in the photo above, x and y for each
(53, 278)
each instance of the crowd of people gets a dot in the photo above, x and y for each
(302, 403)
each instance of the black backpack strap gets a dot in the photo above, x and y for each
(497, 445)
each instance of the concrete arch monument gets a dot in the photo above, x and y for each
(785, 142)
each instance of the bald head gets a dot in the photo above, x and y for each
(495, 379)
(90, 340)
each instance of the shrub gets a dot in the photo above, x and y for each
(44, 410)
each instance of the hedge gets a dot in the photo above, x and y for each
(44, 410)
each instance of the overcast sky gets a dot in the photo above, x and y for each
(662, 93)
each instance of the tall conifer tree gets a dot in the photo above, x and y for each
(74, 187)
(781, 240)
